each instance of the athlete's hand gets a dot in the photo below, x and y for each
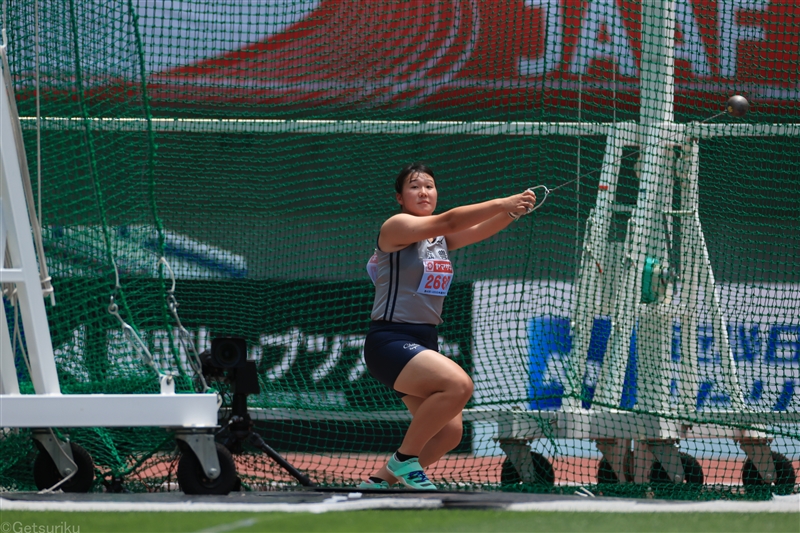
(520, 204)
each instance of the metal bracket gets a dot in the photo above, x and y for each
(60, 451)
(204, 448)
(519, 453)
(166, 383)
(759, 452)
(615, 451)
(667, 453)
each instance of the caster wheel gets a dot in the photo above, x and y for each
(785, 476)
(606, 474)
(193, 480)
(545, 475)
(693, 472)
(46, 474)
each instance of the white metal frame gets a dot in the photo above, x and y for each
(48, 407)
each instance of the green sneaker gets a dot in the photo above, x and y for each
(410, 474)
(370, 485)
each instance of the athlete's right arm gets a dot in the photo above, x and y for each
(404, 229)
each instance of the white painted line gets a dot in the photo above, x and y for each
(778, 504)
(176, 507)
(222, 528)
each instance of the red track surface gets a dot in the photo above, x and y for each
(464, 468)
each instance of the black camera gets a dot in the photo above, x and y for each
(226, 352)
(227, 359)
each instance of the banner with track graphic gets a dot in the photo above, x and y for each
(515, 54)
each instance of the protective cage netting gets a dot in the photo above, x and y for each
(254, 146)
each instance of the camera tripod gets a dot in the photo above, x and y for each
(240, 430)
(227, 360)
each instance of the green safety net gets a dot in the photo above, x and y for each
(254, 145)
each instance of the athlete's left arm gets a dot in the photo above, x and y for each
(478, 232)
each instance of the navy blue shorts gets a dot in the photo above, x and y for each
(390, 346)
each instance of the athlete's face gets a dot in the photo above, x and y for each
(419, 195)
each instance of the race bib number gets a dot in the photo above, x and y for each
(436, 277)
(372, 268)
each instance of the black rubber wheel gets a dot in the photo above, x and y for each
(606, 474)
(693, 472)
(193, 480)
(545, 475)
(785, 476)
(46, 474)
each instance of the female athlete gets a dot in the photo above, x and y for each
(412, 274)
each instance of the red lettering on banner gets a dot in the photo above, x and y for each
(517, 54)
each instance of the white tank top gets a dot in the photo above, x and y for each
(410, 284)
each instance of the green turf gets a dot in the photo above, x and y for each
(408, 521)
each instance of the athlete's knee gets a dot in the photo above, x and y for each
(462, 387)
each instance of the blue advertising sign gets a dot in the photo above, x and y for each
(767, 357)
